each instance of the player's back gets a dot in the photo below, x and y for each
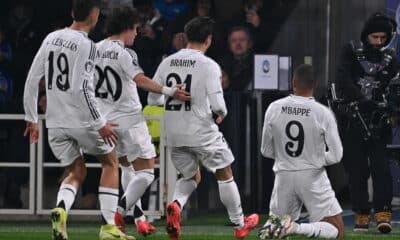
(189, 123)
(298, 125)
(116, 66)
(68, 56)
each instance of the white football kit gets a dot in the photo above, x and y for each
(66, 61)
(189, 126)
(302, 136)
(116, 67)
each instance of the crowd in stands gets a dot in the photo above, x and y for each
(244, 27)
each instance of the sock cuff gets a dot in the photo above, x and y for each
(68, 187)
(226, 181)
(109, 191)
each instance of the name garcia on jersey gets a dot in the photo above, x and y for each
(113, 55)
(296, 111)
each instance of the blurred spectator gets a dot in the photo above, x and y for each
(237, 66)
(25, 37)
(255, 19)
(170, 9)
(151, 41)
(107, 5)
(227, 10)
(202, 8)
(6, 83)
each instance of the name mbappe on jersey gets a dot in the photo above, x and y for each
(296, 111)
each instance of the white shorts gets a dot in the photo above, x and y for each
(135, 143)
(312, 188)
(68, 144)
(215, 156)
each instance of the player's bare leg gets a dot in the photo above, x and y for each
(108, 196)
(75, 175)
(230, 197)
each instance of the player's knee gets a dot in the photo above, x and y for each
(224, 174)
(197, 177)
(337, 222)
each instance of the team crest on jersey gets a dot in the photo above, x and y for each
(89, 67)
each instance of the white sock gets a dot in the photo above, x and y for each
(183, 190)
(67, 194)
(108, 198)
(127, 174)
(229, 194)
(137, 186)
(316, 230)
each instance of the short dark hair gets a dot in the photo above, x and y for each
(240, 29)
(199, 28)
(82, 8)
(304, 75)
(120, 20)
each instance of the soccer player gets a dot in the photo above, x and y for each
(66, 61)
(301, 135)
(191, 131)
(118, 76)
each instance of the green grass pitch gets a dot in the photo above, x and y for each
(199, 228)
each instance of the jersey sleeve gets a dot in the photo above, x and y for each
(267, 146)
(213, 76)
(334, 151)
(36, 73)
(84, 89)
(130, 63)
(156, 98)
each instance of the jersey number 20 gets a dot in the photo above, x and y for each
(187, 83)
(106, 76)
(299, 138)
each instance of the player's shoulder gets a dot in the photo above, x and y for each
(131, 52)
(280, 101)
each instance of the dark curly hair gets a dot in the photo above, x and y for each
(120, 20)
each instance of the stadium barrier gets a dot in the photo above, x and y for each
(36, 165)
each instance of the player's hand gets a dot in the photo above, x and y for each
(180, 94)
(108, 135)
(32, 130)
(219, 120)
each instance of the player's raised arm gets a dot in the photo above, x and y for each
(36, 73)
(267, 147)
(332, 140)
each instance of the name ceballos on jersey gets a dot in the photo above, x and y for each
(296, 111)
(182, 63)
(65, 44)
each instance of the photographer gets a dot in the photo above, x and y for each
(365, 68)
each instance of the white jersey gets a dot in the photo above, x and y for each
(300, 133)
(190, 123)
(66, 61)
(116, 67)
